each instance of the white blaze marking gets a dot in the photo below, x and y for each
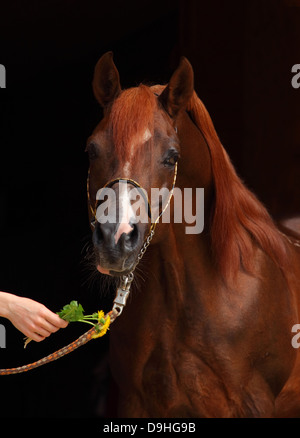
(128, 165)
(147, 135)
(126, 212)
(125, 205)
(126, 169)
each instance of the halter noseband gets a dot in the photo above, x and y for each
(143, 192)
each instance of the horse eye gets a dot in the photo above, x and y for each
(171, 160)
(92, 150)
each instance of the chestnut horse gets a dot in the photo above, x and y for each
(207, 333)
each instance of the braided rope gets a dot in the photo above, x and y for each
(93, 333)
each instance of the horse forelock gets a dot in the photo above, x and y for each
(240, 222)
(132, 120)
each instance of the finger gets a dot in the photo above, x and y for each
(48, 326)
(37, 337)
(41, 331)
(55, 320)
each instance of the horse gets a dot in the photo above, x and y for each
(208, 326)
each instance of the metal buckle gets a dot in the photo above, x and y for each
(120, 300)
(122, 293)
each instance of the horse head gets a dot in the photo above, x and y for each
(136, 143)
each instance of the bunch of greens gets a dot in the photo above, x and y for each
(74, 312)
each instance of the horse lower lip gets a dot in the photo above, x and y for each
(103, 270)
(112, 272)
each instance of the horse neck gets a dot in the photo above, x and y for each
(179, 263)
(194, 167)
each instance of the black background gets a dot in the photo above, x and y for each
(242, 53)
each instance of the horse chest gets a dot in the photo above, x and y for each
(197, 363)
(177, 382)
(166, 380)
(162, 375)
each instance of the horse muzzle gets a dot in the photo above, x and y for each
(118, 236)
(116, 247)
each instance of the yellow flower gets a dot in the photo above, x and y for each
(104, 327)
(100, 314)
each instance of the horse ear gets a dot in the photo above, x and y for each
(179, 91)
(106, 81)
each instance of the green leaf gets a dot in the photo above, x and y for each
(71, 312)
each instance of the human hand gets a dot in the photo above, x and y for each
(32, 318)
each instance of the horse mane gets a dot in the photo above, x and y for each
(132, 113)
(239, 221)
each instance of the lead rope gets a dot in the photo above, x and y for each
(118, 305)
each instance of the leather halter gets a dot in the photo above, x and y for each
(135, 184)
(144, 194)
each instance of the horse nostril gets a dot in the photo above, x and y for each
(125, 239)
(103, 233)
(129, 240)
(122, 229)
(135, 232)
